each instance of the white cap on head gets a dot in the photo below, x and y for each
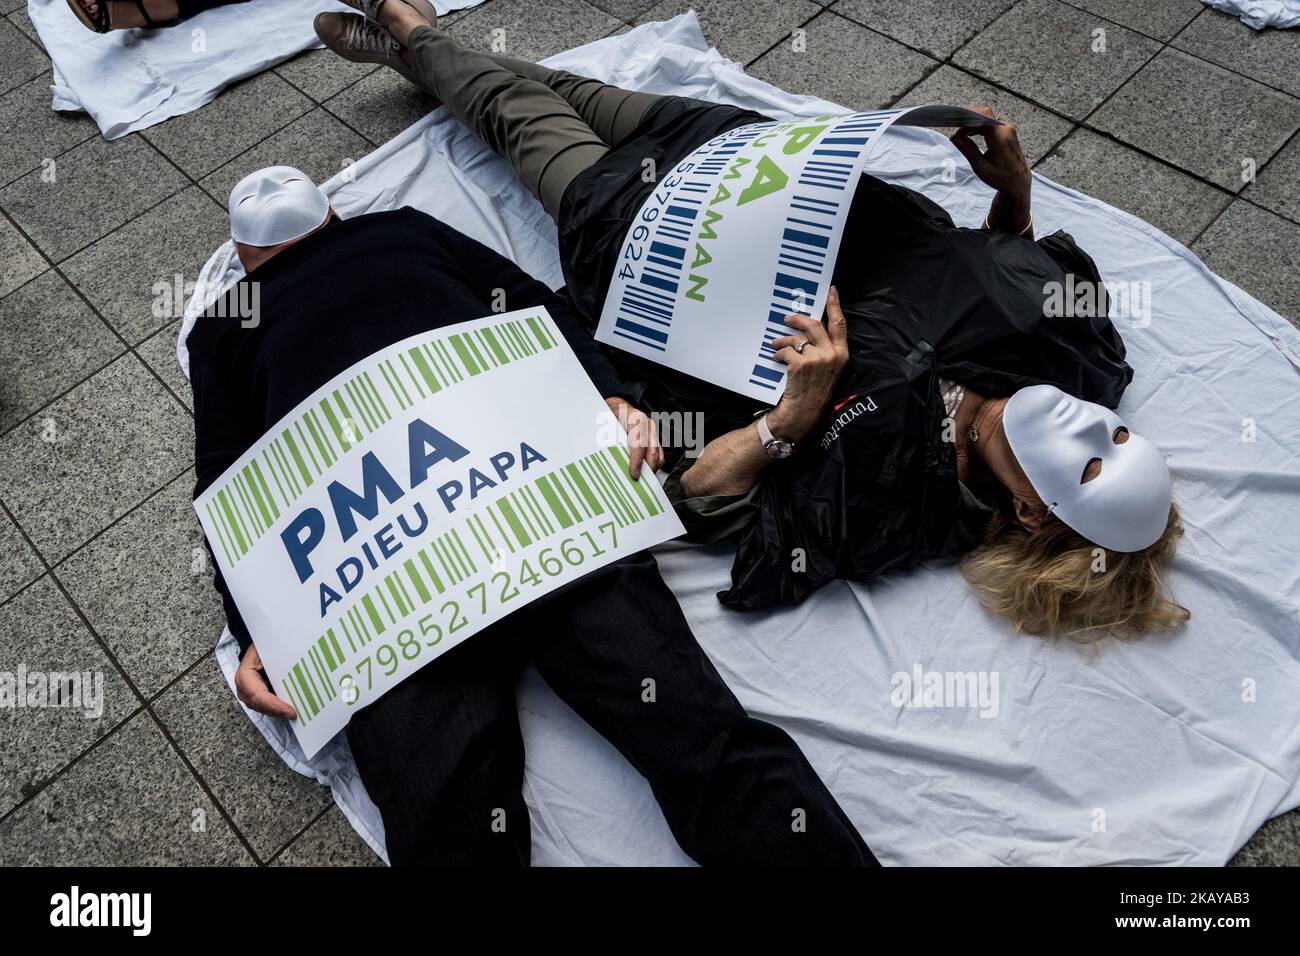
(1055, 436)
(275, 205)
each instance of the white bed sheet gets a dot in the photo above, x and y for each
(1138, 753)
(129, 80)
(1259, 14)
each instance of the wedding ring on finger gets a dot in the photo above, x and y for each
(800, 346)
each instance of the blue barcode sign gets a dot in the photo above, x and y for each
(737, 236)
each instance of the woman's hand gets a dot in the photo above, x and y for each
(812, 373)
(254, 690)
(642, 439)
(1001, 165)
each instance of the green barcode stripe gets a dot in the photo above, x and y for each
(417, 581)
(597, 481)
(273, 469)
(222, 536)
(392, 388)
(431, 571)
(630, 506)
(525, 515)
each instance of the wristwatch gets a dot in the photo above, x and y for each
(775, 447)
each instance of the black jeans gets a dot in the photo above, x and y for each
(442, 757)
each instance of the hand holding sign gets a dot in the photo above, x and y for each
(254, 690)
(642, 438)
(1003, 164)
(814, 369)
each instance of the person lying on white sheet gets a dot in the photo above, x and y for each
(103, 16)
(441, 754)
(945, 410)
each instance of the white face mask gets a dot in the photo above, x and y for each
(1054, 437)
(275, 205)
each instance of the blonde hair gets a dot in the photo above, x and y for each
(1055, 581)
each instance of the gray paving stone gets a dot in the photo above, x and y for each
(317, 143)
(381, 105)
(145, 585)
(9, 6)
(320, 74)
(741, 29)
(41, 634)
(20, 58)
(159, 353)
(530, 30)
(52, 340)
(1270, 56)
(19, 565)
(627, 10)
(22, 261)
(329, 841)
(267, 801)
(33, 132)
(1043, 50)
(1277, 185)
(936, 26)
(116, 437)
(22, 21)
(1200, 117)
(242, 116)
(131, 275)
(447, 19)
(1037, 128)
(131, 801)
(1173, 201)
(1156, 18)
(884, 69)
(1260, 252)
(1277, 843)
(96, 187)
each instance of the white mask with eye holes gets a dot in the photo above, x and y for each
(275, 205)
(1055, 437)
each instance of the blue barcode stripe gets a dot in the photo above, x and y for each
(807, 238)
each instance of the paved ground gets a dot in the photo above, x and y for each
(96, 531)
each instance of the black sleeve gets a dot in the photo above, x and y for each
(503, 284)
(219, 440)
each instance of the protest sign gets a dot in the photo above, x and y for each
(417, 497)
(741, 233)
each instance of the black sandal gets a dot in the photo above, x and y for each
(101, 22)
